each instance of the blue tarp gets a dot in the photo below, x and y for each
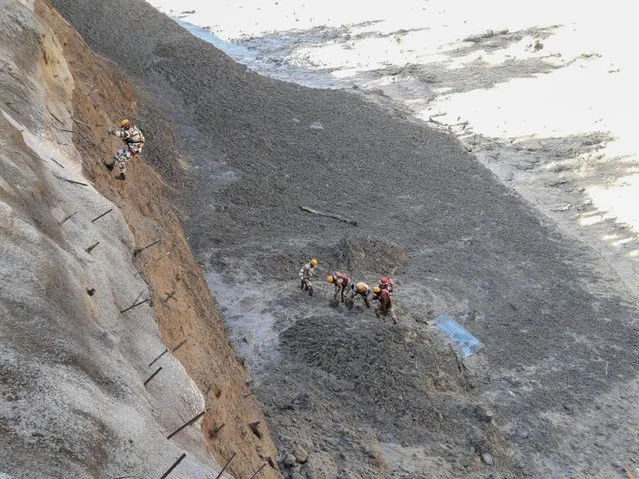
(468, 343)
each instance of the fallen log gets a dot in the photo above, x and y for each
(329, 215)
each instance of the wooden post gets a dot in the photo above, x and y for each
(92, 247)
(188, 423)
(329, 215)
(60, 165)
(68, 217)
(58, 119)
(161, 354)
(173, 466)
(225, 466)
(152, 376)
(258, 471)
(139, 250)
(105, 213)
(182, 343)
(72, 181)
(136, 304)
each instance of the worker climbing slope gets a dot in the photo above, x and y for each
(133, 143)
(341, 282)
(306, 273)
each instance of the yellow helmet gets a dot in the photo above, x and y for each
(361, 287)
(313, 263)
(125, 124)
(330, 278)
(376, 290)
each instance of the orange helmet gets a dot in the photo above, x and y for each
(330, 278)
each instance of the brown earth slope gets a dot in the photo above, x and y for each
(101, 97)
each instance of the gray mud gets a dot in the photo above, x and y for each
(559, 331)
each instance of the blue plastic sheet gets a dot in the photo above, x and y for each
(466, 341)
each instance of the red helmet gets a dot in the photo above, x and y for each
(384, 280)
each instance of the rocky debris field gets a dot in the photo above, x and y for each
(552, 392)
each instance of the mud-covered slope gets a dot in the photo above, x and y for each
(73, 367)
(546, 307)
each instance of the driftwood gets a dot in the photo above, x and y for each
(329, 215)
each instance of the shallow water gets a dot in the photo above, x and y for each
(259, 61)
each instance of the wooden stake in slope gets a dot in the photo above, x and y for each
(103, 214)
(173, 466)
(59, 164)
(68, 217)
(161, 354)
(137, 251)
(225, 466)
(180, 344)
(57, 119)
(92, 247)
(71, 181)
(258, 471)
(152, 376)
(136, 304)
(188, 423)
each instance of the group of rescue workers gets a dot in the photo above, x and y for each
(349, 291)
